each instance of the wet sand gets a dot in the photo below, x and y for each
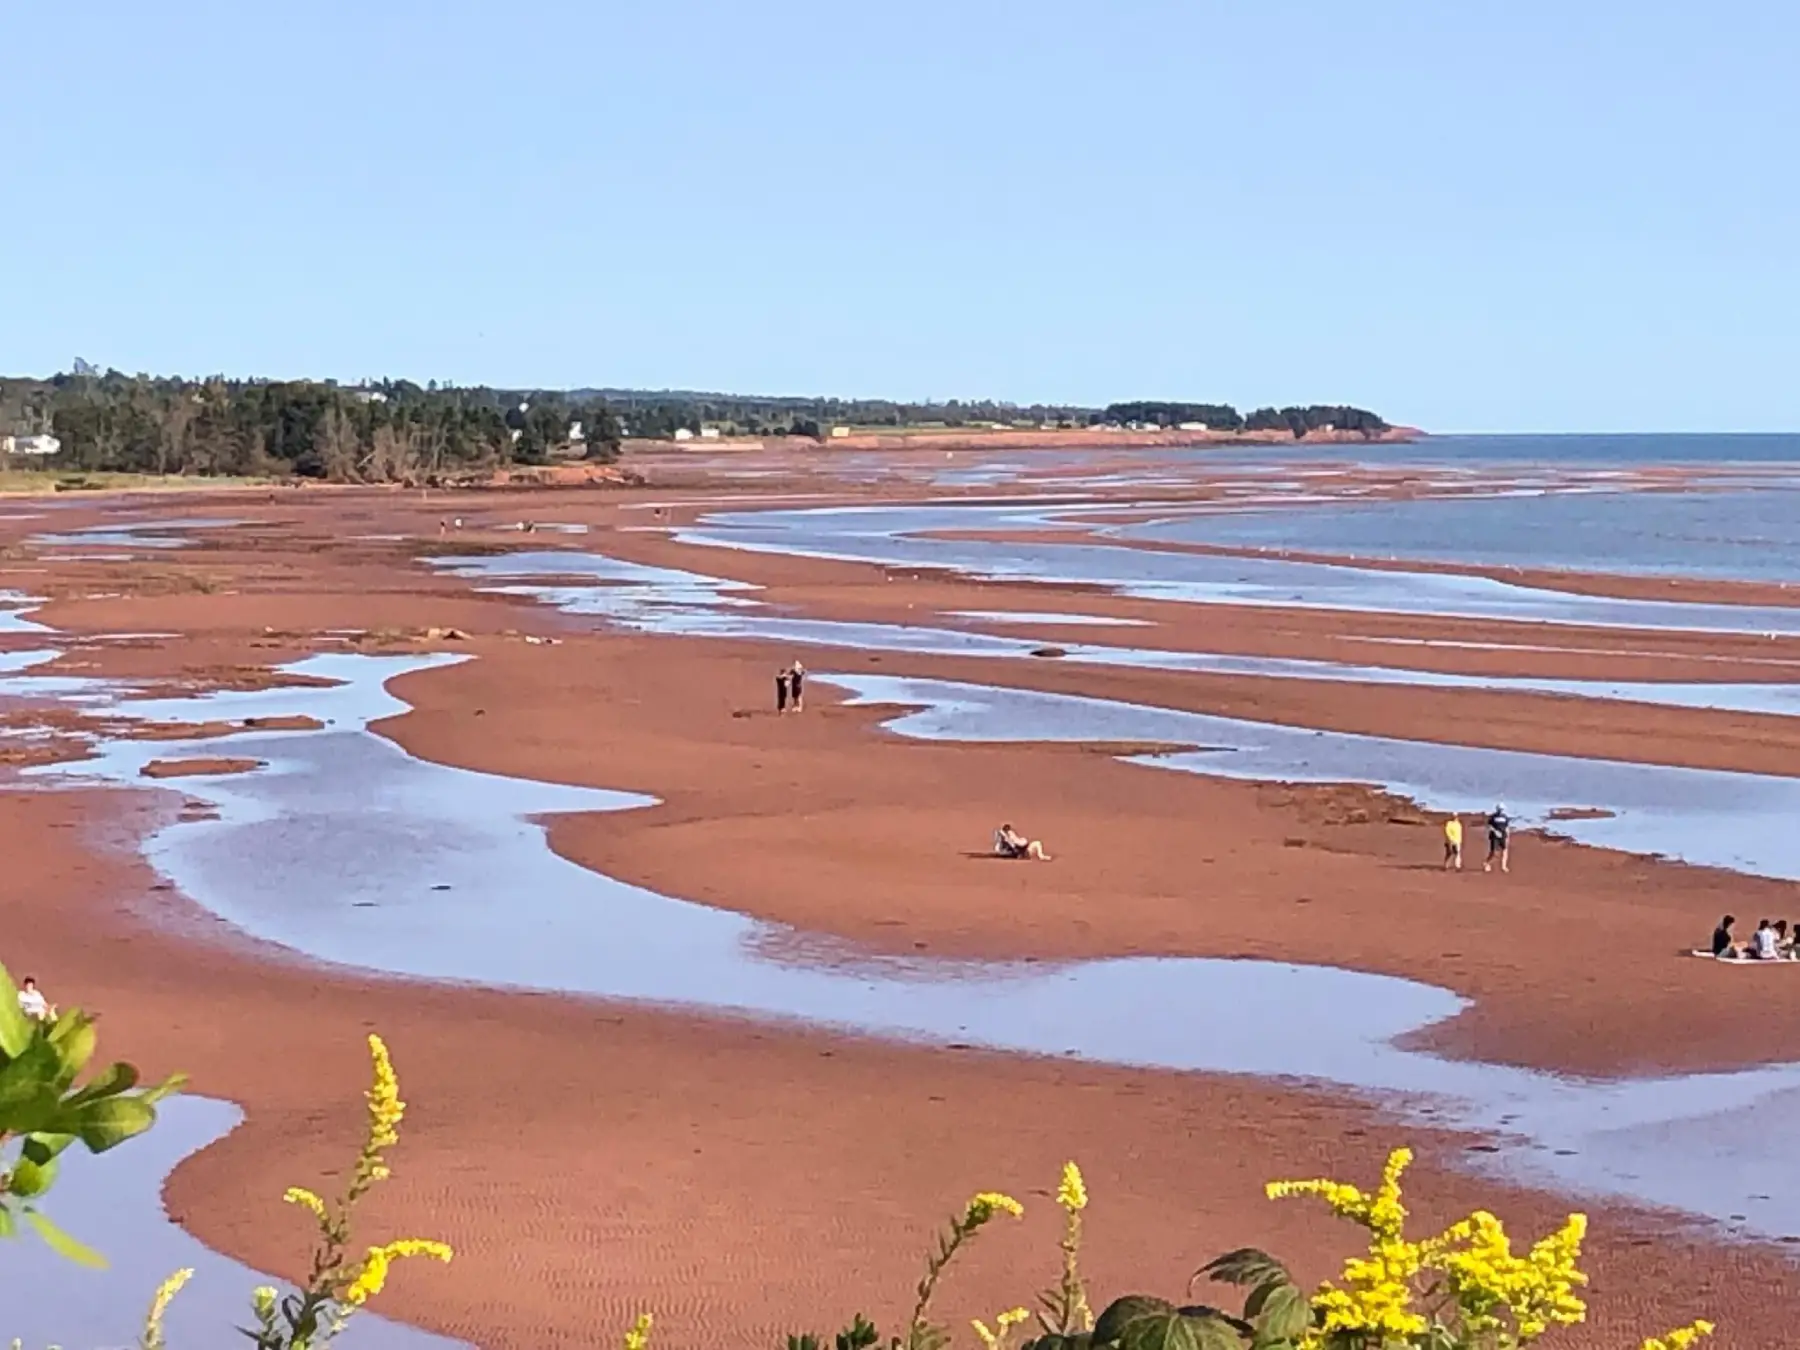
(743, 1180)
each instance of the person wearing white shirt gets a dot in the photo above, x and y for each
(1766, 942)
(32, 1001)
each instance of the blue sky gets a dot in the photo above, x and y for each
(1471, 215)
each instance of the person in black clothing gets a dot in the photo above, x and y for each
(1722, 943)
(1499, 826)
(781, 691)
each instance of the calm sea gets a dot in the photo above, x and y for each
(1750, 530)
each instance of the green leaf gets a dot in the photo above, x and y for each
(1284, 1313)
(64, 1245)
(109, 1082)
(169, 1086)
(1057, 1340)
(15, 1026)
(1122, 1312)
(1162, 1331)
(7, 1227)
(74, 1037)
(30, 1179)
(28, 1092)
(111, 1121)
(41, 1148)
(1245, 1266)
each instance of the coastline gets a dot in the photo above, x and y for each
(850, 831)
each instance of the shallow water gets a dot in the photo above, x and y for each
(1749, 535)
(159, 534)
(349, 850)
(689, 604)
(113, 1202)
(15, 609)
(888, 536)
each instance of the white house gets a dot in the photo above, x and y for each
(1191, 426)
(30, 445)
(683, 434)
(709, 433)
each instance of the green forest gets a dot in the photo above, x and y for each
(398, 431)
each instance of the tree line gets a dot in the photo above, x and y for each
(1224, 417)
(386, 432)
(399, 431)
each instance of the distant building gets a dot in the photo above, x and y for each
(1191, 426)
(839, 433)
(30, 445)
(709, 433)
(683, 434)
(576, 433)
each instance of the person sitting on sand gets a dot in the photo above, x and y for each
(1781, 939)
(1453, 844)
(33, 1003)
(1009, 843)
(1724, 946)
(1762, 945)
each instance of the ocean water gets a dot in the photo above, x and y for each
(1749, 530)
(1739, 534)
(1616, 449)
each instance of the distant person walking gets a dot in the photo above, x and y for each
(1453, 843)
(1499, 832)
(781, 691)
(797, 686)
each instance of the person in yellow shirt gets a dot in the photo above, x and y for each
(1453, 844)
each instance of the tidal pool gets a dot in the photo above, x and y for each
(113, 1202)
(891, 536)
(348, 850)
(692, 604)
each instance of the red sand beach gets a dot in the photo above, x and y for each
(589, 1159)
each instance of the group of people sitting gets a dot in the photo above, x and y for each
(1772, 941)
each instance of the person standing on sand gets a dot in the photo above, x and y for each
(797, 686)
(781, 691)
(1499, 826)
(1453, 843)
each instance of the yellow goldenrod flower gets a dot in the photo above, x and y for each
(371, 1276)
(1072, 1193)
(985, 1204)
(1004, 1324)
(638, 1338)
(262, 1302)
(383, 1096)
(1681, 1338)
(159, 1307)
(299, 1195)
